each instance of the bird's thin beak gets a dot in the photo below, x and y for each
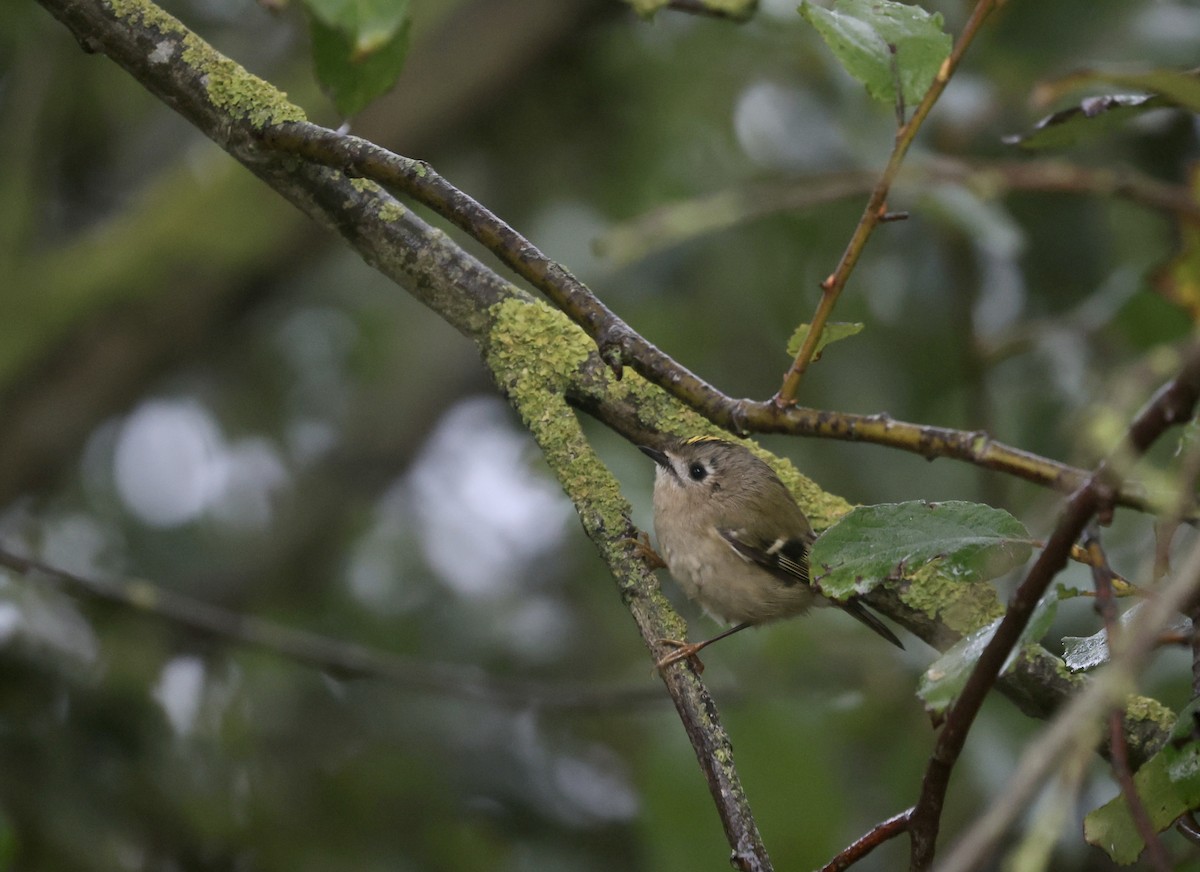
(655, 455)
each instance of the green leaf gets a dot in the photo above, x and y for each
(359, 48)
(831, 332)
(1168, 785)
(1176, 88)
(942, 682)
(880, 42)
(368, 24)
(872, 543)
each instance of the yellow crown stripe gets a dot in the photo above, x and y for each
(696, 440)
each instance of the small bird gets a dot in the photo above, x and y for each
(734, 538)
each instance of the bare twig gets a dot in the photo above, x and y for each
(619, 344)
(345, 660)
(672, 223)
(876, 208)
(868, 842)
(1172, 404)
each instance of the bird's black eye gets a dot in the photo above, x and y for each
(697, 471)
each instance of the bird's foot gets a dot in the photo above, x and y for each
(684, 650)
(643, 549)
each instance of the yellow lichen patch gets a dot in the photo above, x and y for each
(1143, 708)
(234, 91)
(961, 606)
(532, 343)
(533, 352)
(391, 210)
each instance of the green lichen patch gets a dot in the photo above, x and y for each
(385, 206)
(146, 14)
(1144, 708)
(391, 210)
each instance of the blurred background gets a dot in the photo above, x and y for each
(201, 388)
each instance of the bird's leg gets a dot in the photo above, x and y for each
(689, 650)
(643, 549)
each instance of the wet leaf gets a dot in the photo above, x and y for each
(880, 43)
(970, 541)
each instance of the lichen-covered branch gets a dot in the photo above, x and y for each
(533, 352)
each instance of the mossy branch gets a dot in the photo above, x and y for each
(533, 354)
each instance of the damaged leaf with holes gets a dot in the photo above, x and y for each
(831, 332)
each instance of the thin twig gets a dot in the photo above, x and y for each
(673, 223)
(876, 208)
(342, 659)
(865, 844)
(1172, 404)
(619, 344)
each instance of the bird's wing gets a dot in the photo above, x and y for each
(787, 560)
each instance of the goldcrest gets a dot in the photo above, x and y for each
(734, 538)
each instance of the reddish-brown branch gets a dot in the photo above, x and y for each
(865, 844)
(876, 209)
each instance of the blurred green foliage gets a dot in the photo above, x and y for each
(199, 388)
